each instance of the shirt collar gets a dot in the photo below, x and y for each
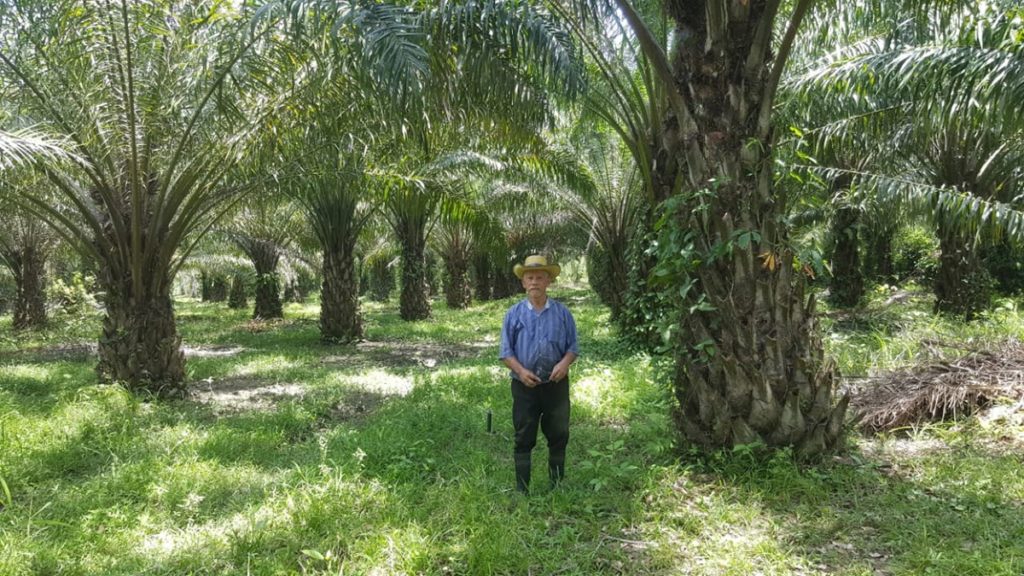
(547, 304)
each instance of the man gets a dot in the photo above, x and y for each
(538, 344)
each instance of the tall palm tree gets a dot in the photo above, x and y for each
(750, 366)
(332, 190)
(938, 81)
(158, 100)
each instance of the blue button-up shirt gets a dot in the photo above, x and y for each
(538, 340)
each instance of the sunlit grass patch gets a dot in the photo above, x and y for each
(262, 364)
(379, 381)
(37, 372)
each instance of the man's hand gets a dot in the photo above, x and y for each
(560, 371)
(528, 378)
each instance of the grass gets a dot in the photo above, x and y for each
(300, 458)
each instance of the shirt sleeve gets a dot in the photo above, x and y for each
(571, 344)
(507, 337)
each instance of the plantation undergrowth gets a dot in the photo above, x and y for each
(295, 457)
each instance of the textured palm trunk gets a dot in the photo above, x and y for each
(268, 284)
(140, 346)
(962, 287)
(218, 289)
(382, 280)
(879, 258)
(204, 287)
(847, 285)
(505, 284)
(414, 303)
(237, 298)
(749, 364)
(482, 277)
(339, 297)
(458, 291)
(30, 282)
(608, 276)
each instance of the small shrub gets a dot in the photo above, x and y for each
(1006, 267)
(74, 296)
(915, 254)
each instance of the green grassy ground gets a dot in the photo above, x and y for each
(373, 459)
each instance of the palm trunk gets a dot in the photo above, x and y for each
(30, 281)
(414, 303)
(847, 286)
(607, 274)
(749, 364)
(505, 283)
(237, 299)
(457, 290)
(382, 280)
(879, 260)
(218, 289)
(482, 277)
(339, 297)
(140, 346)
(268, 285)
(962, 287)
(205, 286)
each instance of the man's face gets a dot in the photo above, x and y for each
(536, 282)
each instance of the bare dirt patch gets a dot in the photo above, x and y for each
(76, 352)
(213, 351)
(244, 393)
(395, 354)
(355, 405)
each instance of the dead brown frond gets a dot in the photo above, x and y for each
(941, 391)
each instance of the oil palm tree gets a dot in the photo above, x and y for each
(749, 365)
(263, 229)
(332, 189)
(461, 76)
(937, 82)
(158, 100)
(25, 246)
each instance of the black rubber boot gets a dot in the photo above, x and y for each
(523, 473)
(556, 473)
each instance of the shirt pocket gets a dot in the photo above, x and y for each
(547, 356)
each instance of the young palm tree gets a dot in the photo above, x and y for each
(604, 193)
(453, 239)
(263, 229)
(25, 245)
(332, 190)
(158, 100)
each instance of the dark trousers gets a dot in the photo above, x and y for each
(547, 406)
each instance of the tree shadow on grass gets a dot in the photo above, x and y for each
(855, 515)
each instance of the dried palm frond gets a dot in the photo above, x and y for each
(943, 390)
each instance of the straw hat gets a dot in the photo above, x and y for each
(536, 262)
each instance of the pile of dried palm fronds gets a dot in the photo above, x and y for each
(939, 391)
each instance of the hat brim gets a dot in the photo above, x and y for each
(553, 270)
